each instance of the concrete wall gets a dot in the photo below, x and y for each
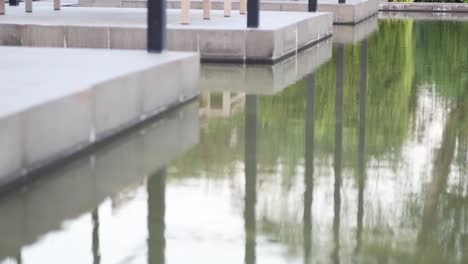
(58, 122)
(220, 39)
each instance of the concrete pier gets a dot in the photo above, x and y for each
(83, 184)
(264, 79)
(351, 12)
(220, 39)
(58, 101)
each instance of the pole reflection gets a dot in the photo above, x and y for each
(309, 166)
(156, 187)
(338, 150)
(251, 148)
(96, 251)
(362, 144)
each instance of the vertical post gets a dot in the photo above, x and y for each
(243, 7)
(341, 1)
(2, 7)
(312, 6)
(253, 16)
(56, 5)
(227, 8)
(156, 188)
(338, 150)
(28, 6)
(251, 148)
(362, 144)
(309, 166)
(156, 25)
(185, 12)
(206, 9)
(14, 2)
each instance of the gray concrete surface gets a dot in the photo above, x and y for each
(424, 7)
(219, 39)
(58, 101)
(264, 79)
(81, 185)
(347, 34)
(353, 12)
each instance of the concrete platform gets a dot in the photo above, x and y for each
(83, 184)
(55, 102)
(346, 34)
(353, 12)
(219, 39)
(263, 79)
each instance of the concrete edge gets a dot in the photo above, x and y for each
(30, 169)
(15, 180)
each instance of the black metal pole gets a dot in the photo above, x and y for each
(156, 25)
(253, 13)
(13, 2)
(341, 1)
(312, 7)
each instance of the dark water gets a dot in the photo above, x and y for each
(362, 161)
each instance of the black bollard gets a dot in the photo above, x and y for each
(253, 13)
(156, 25)
(312, 7)
(13, 2)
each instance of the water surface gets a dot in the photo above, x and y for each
(362, 161)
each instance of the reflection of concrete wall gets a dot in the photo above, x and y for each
(353, 34)
(83, 184)
(230, 103)
(264, 79)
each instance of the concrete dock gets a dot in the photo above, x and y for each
(220, 39)
(84, 183)
(58, 101)
(352, 12)
(264, 79)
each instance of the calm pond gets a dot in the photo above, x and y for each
(364, 161)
